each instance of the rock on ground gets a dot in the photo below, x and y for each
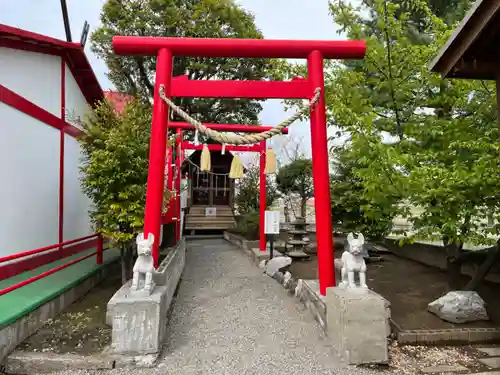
(459, 307)
(275, 264)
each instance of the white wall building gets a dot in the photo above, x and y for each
(44, 84)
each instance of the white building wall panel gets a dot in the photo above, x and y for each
(34, 76)
(29, 191)
(76, 204)
(76, 104)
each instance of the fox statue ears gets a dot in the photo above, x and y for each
(150, 239)
(350, 238)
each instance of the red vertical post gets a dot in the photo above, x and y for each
(170, 177)
(100, 249)
(321, 179)
(262, 189)
(61, 153)
(156, 171)
(178, 161)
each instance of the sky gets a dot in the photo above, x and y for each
(277, 19)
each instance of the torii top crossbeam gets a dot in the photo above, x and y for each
(250, 48)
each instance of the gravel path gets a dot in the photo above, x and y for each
(231, 319)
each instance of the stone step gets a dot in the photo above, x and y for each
(202, 214)
(208, 226)
(218, 212)
(198, 219)
(218, 208)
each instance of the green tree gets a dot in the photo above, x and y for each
(247, 201)
(427, 142)
(182, 18)
(114, 173)
(349, 202)
(248, 192)
(296, 178)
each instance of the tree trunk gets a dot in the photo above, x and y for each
(127, 262)
(131, 261)
(453, 264)
(484, 268)
(303, 203)
(123, 263)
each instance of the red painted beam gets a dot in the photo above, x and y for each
(295, 89)
(44, 274)
(15, 268)
(218, 147)
(227, 127)
(22, 104)
(45, 248)
(249, 48)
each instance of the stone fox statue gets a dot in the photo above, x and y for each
(353, 261)
(144, 263)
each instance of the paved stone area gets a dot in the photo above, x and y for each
(231, 319)
(492, 352)
(493, 362)
(444, 368)
(491, 358)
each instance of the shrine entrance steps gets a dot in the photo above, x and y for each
(198, 220)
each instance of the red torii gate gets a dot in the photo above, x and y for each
(165, 48)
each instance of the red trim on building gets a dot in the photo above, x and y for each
(16, 101)
(18, 267)
(72, 130)
(29, 47)
(61, 152)
(12, 37)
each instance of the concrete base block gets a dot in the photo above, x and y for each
(40, 363)
(139, 322)
(131, 360)
(358, 325)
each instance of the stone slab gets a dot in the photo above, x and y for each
(358, 325)
(443, 368)
(493, 362)
(40, 363)
(493, 351)
(310, 296)
(139, 322)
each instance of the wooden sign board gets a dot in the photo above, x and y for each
(272, 222)
(210, 211)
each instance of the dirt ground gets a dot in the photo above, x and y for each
(409, 287)
(81, 328)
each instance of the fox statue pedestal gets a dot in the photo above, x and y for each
(138, 311)
(357, 317)
(358, 324)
